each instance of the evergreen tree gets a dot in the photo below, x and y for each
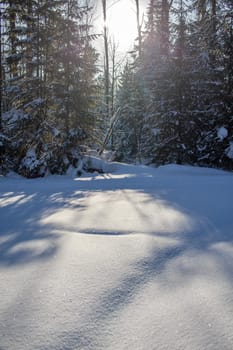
(50, 67)
(130, 126)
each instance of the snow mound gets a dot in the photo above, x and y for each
(176, 169)
(99, 165)
(222, 133)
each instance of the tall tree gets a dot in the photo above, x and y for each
(1, 69)
(106, 59)
(50, 70)
(139, 28)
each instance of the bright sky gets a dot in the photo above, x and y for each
(121, 21)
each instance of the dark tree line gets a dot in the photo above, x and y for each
(177, 90)
(174, 101)
(48, 68)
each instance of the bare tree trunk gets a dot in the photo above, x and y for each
(106, 70)
(113, 82)
(165, 27)
(214, 5)
(1, 89)
(201, 9)
(181, 48)
(67, 73)
(29, 50)
(139, 28)
(214, 28)
(12, 37)
(113, 74)
(181, 34)
(1, 73)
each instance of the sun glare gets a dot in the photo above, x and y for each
(121, 23)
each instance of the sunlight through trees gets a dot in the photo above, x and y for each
(60, 90)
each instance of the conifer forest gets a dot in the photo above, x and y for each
(170, 100)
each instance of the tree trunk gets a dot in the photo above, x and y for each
(165, 28)
(29, 53)
(139, 28)
(214, 28)
(106, 69)
(67, 72)
(1, 73)
(12, 37)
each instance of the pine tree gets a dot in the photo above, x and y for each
(173, 143)
(50, 67)
(129, 133)
(206, 106)
(153, 73)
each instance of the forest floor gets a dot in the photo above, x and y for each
(138, 258)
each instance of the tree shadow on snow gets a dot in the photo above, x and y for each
(150, 269)
(203, 241)
(23, 238)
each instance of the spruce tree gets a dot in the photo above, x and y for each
(50, 66)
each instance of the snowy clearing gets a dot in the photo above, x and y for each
(138, 258)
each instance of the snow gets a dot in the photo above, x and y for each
(12, 89)
(14, 116)
(222, 133)
(37, 102)
(56, 132)
(137, 258)
(30, 161)
(3, 138)
(155, 131)
(91, 162)
(229, 151)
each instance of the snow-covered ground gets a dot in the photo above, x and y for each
(137, 258)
